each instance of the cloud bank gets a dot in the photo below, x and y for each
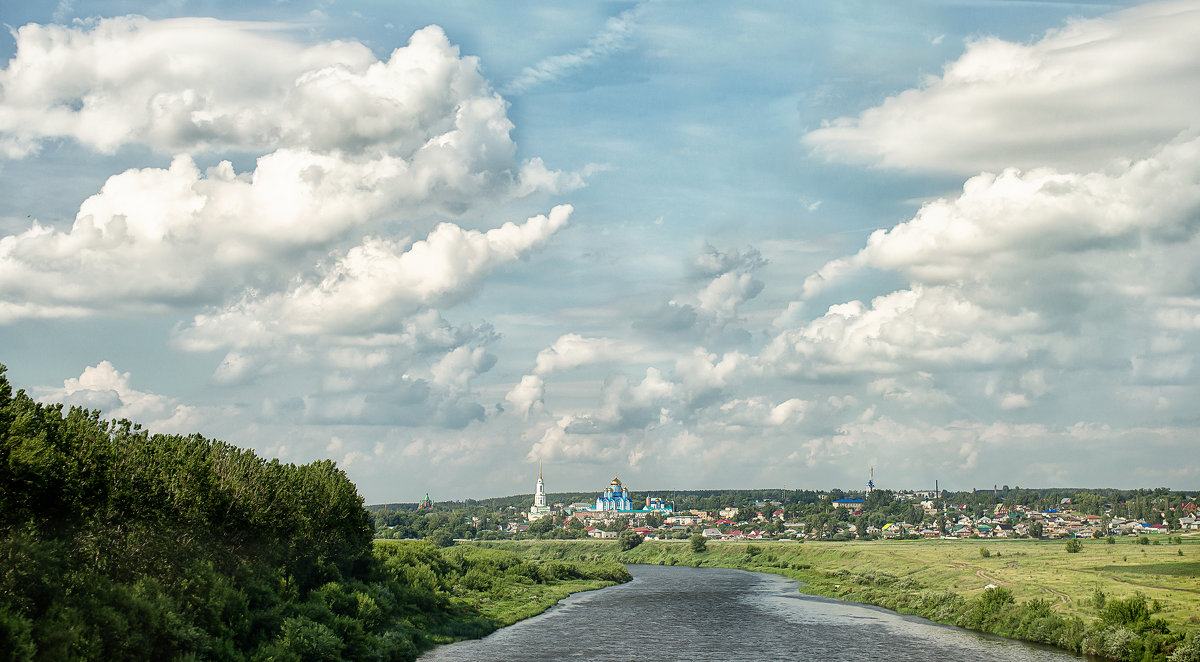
(336, 235)
(355, 146)
(1110, 87)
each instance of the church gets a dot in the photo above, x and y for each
(615, 497)
(539, 508)
(615, 500)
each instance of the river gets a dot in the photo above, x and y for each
(681, 613)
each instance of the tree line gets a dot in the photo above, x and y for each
(118, 544)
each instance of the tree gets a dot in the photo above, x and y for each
(1074, 546)
(916, 516)
(860, 526)
(816, 525)
(540, 527)
(628, 540)
(1035, 529)
(441, 538)
(698, 543)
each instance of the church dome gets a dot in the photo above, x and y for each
(615, 481)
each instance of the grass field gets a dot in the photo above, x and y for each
(876, 571)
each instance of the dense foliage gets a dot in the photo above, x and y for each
(116, 544)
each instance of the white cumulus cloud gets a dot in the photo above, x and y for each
(375, 286)
(105, 388)
(201, 83)
(573, 351)
(1095, 90)
(1044, 265)
(349, 145)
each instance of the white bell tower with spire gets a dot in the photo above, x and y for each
(539, 507)
(539, 497)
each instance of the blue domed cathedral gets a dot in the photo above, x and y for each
(615, 497)
(615, 500)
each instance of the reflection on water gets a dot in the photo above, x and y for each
(678, 613)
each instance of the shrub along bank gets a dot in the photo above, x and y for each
(1120, 609)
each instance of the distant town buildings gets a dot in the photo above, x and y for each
(930, 515)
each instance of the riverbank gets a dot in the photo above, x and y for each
(1122, 600)
(715, 614)
(481, 590)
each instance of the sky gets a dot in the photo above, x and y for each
(697, 245)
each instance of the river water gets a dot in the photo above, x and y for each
(681, 613)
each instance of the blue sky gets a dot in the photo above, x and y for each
(693, 244)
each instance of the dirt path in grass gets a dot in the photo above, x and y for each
(1159, 587)
(988, 578)
(1063, 598)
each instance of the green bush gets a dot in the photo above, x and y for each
(1187, 650)
(987, 608)
(1131, 612)
(628, 540)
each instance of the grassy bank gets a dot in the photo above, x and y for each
(1123, 600)
(485, 589)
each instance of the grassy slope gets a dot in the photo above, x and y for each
(1029, 568)
(508, 588)
(531, 601)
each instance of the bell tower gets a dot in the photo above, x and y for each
(539, 496)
